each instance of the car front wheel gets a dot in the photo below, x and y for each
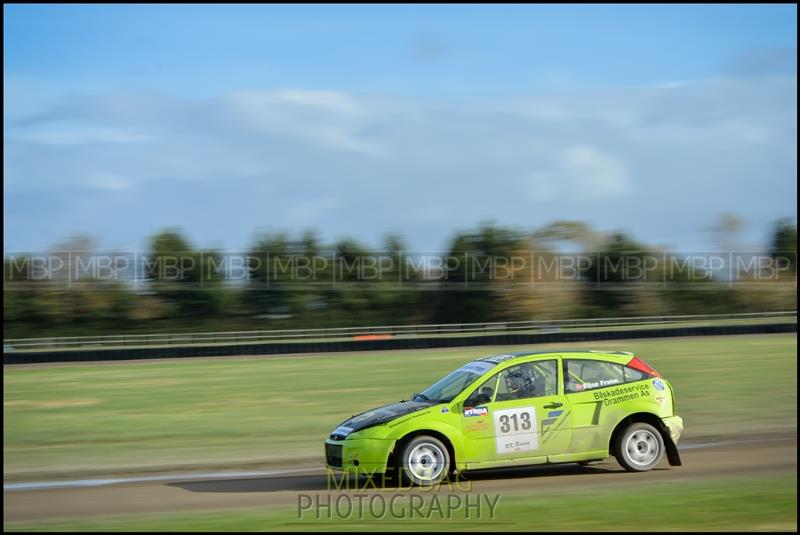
(425, 460)
(640, 447)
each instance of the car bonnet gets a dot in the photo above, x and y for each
(380, 415)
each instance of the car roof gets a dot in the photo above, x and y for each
(622, 357)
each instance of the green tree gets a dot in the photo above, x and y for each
(187, 279)
(613, 274)
(469, 287)
(784, 242)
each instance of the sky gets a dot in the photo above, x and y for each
(419, 120)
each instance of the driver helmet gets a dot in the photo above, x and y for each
(518, 381)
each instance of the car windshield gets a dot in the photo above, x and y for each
(448, 387)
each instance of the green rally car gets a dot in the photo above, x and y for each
(518, 409)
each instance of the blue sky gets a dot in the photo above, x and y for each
(422, 120)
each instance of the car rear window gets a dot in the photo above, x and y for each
(632, 375)
(581, 375)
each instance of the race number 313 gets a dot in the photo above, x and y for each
(515, 430)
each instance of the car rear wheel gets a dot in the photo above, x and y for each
(640, 447)
(425, 460)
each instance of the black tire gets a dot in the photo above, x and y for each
(424, 461)
(639, 447)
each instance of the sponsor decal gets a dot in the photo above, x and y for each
(478, 425)
(554, 414)
(475, 411)
(445, 409)
(602, 383)
(499, 358)
(342, 431)
(477, 367)
(622, 394)
(658, 384)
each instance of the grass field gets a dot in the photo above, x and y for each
(767, 503)
(63, 420)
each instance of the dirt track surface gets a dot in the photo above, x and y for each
(720, 460)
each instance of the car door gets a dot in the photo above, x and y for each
(599, 394)
(586, 382)
(525, 417)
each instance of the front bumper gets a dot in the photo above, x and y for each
(358, 455)
(675, 426)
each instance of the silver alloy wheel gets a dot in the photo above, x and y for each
(642, 447)
(426, 461)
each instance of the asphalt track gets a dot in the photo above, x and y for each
(282, 488)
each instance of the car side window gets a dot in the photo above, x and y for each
(482, 394)
(547, 376)
(581, 375)
(528, 380)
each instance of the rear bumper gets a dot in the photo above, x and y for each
(675, 426)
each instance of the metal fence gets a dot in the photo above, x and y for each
(333, 347)
(402, 331)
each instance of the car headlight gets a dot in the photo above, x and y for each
(341, 432)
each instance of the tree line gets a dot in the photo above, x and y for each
(563, 270)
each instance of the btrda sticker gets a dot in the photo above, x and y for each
(476, 411)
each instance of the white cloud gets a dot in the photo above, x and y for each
(594, 174)
(59, 133)
(579, 172)
(329, 118)
(332, 101)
